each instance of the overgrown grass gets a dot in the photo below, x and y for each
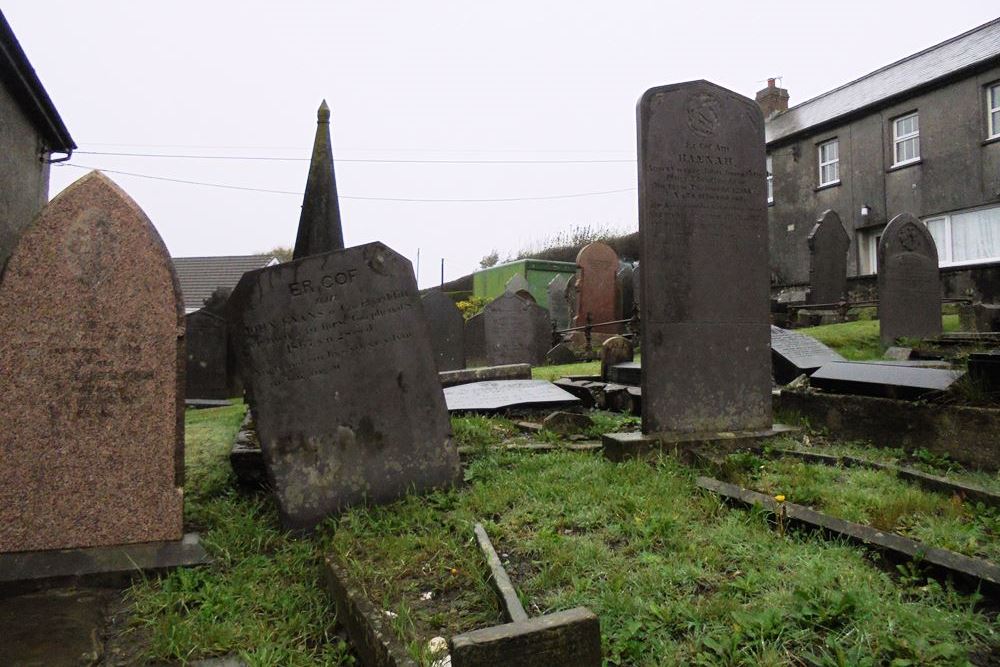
(562, 370)
(860, 340)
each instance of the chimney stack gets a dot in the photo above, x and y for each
(772, 100)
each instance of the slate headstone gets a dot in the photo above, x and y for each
(596, 287)
(559, 308)
(207, 349)
(92, 380)
(882, 380)
(446, 327)
(615, 350)
(519, 285)
(626, 298)
(349, 407)
(475, 341)
(909, 290)
(628, 373)
(828, 244)
(498, 394)
(517, 331)
(704, 261)
(319, 222)
(793, 354)
(560, 354)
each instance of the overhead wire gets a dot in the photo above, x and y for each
(339, 160)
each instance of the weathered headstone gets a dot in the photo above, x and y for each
(519, 285)
(615, 350)
(475, 341)
(517, 331)
(207, 355)
(793, 354)
(828, 244)
(882, 379)
(349, 407)
(636, 289)
(596, 293)
(559, 308)
(319, 223)
(91, 386)
(625, 279)
(497, 394)
(446, 326)
(909, 290)
(705, 278)
(561, 353)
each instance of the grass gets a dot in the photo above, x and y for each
(562, 370)
(860, 340)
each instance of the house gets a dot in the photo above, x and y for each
(200, 277)
(921, 135)
(31, 131)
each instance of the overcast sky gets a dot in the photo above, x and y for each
(460, 81)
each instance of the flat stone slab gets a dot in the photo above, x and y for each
(202, 403)
(882, 379)
(570, 638)
(58, 627)
(467, 375)
(793, 354)
(623, 446)
(497, 394)
(628, 372)
(104, 566)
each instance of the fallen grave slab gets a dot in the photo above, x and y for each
(881, 379)
(793, 354)
(624, 446)
(498, 394)
(628, 372)
(467, 375)
(971, 571)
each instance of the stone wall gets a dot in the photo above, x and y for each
(24, 178)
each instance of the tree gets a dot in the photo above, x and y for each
(490, 259)
(283, 253)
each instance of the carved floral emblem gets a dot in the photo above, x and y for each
(910, 237)
(703, 114)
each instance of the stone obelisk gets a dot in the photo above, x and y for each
(319, 223)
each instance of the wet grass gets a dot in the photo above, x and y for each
(859, 340)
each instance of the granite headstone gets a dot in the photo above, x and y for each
(828, 244)
(596, 287)
(909, 290)
(704, 261)
(446, 326)
(348, 403)
(793, 354)
(559, 308)
(517, 331)
(92, 380)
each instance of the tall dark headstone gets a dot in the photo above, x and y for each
(626, 296)
(909, 290)
(91, 378)
(828, 244)
(706, 363)
(517, 331)
(348, 403)
(207, 351)
(559, 309)
(596, 287)
(475, 341)
(637, 289)
(445, 325)
(319, 223)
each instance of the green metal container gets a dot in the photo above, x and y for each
(490, 283)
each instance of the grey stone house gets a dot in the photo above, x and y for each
(31, 131)
(920, 135)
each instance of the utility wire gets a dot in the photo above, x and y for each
(370, 150)
(393, 199)
(369, 161)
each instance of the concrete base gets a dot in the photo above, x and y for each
(110, 567)
(570, 638)
(623, 446)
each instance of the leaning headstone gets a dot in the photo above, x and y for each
(446, 328)
(596, 288)
(519, 285)
(475, 341)
(349, 407)
(626, 299)
(517, 331)
(559, 309)
(498, 394)
(909, 290)
(793, 354)
(91, 386)
(705, 278)
(828, 244)
(560, 354)
(319, 223)
(207, 355)
(615, 350)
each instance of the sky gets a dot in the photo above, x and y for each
(528, 102)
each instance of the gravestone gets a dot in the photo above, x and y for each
(595, 286)
(615, 350)
(91, 387)
(319, 222)
(627, 373)
(475, 341)
(909, 290)
(705, 278)
(498, 394)
(517, 331)
(884, 380)
(828, 244)
(207, 355)
(793, 354)
(626, 299)
(349, 407)
(636, 288)
(561, 353)
(518, 285)
(559, 308)
(572, 299)
(446, 327)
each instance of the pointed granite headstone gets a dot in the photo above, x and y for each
(91, 378)
(519, 285)
(828, 244)
(319, 223)
(909, 289)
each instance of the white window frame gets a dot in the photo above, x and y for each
(835, 162)
(898, 139)
(770, 180)
(945, 254)
(870, 238)
(993, 112)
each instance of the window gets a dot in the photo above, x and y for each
(906, 139)
(993, 109)
(968, 237)
(829, 162)
(868, 248)
(770, 182)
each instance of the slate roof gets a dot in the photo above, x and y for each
(200, 276)
(964, 51)
(19, 78)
